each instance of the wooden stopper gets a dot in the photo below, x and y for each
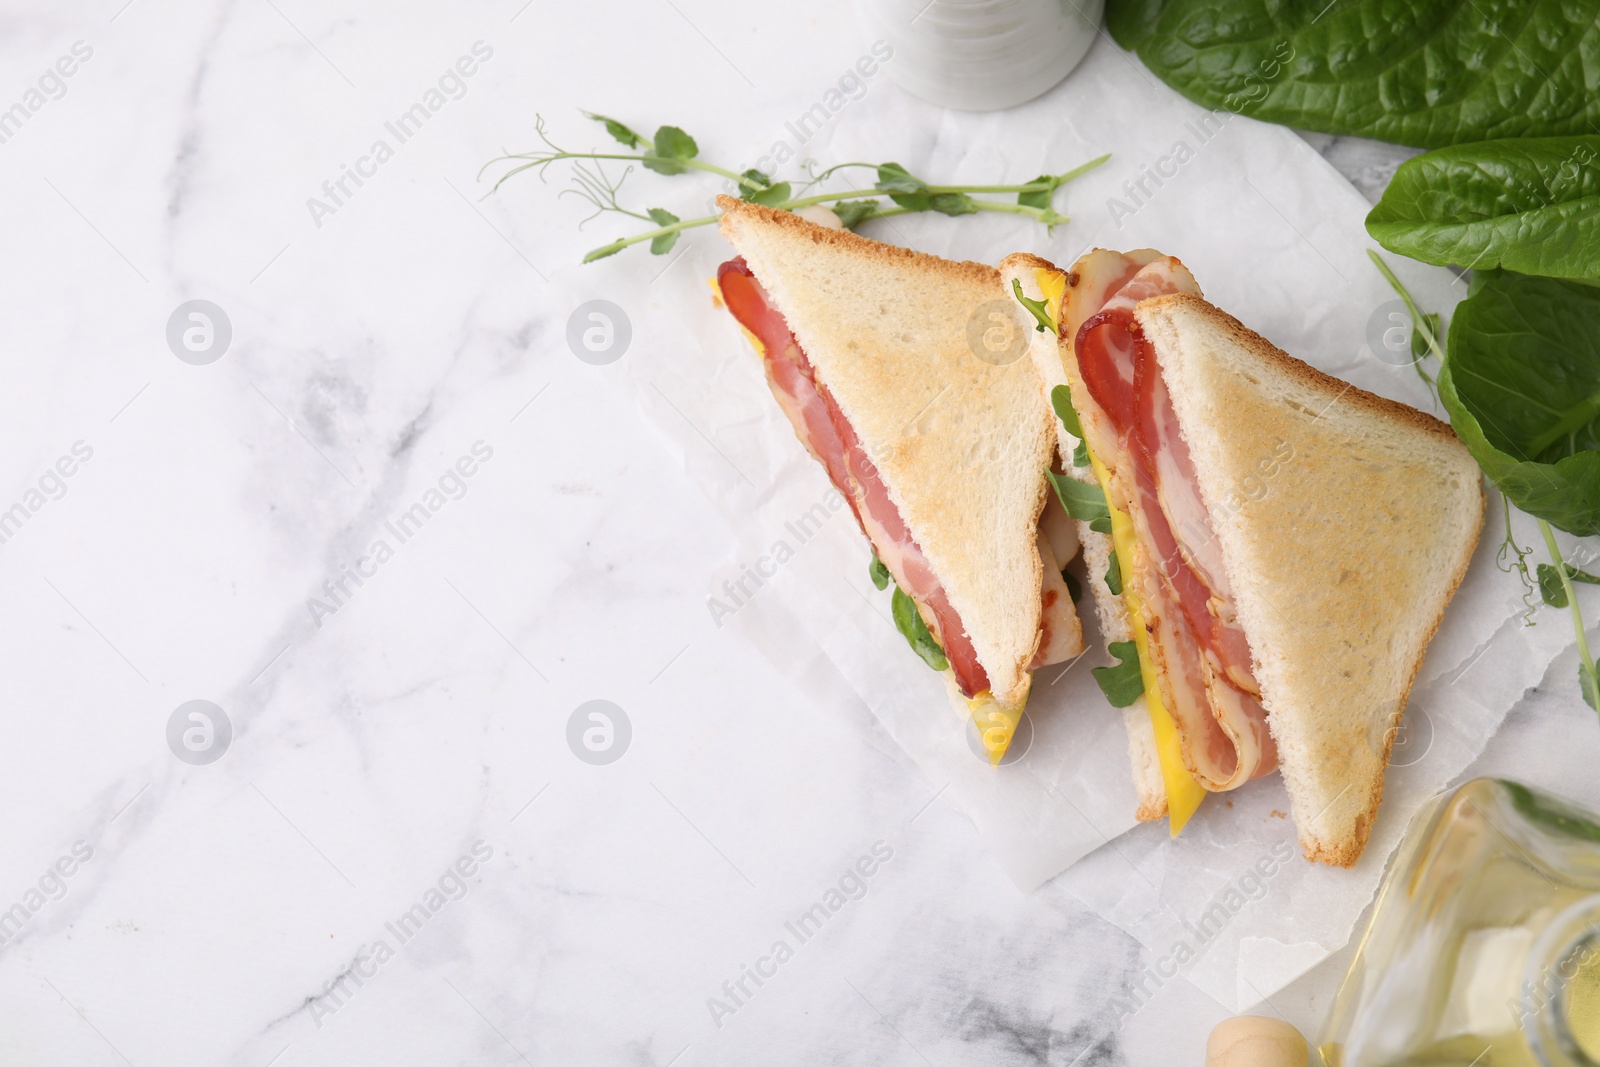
(1256, 1041)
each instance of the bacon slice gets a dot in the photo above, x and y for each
(828, 436)
(1198, 647)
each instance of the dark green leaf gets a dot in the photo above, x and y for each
(1550, 587)
(671, 144)
(1080, 454)
(1061, 401)
(772, 197)
(893, 178)
(1589, 683)
(853, 213)
(753, 181)
(618, 130)
(909, 622)
(757, 188)
(878, 572)
(1531, 205)
(1427, 73)
(1039, 197)
(1073, 586)
(1521, 382)
(953, 204)
(1124, 683)
(1041, 315)
(1084, 502)
(905, 190)
(662, 244)
(1114, 575)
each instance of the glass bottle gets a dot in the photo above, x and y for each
(1484, 945)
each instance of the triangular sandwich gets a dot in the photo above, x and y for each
(907, 376)
(1287, 543)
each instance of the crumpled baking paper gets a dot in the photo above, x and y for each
(1275, 236)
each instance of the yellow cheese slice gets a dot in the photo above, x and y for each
(1184, 794)
(996, 724)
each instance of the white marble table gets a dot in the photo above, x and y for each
(394, 856)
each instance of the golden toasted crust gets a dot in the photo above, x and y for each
(1337, 388)
(959, 438)
(1346, 853)
(958, 269)
(1348, 523)
(1017, 262)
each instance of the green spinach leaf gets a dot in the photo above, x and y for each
(1427, 72)
(1124, 683)
(1531, 205)
(1521, 381)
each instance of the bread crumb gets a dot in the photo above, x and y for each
(1276, 814)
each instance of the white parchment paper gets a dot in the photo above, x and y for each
(1274, 236)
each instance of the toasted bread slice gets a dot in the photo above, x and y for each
(1345, 522)
(1115, 624)
(960, 441)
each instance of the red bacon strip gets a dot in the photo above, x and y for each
(1195, 636)
(828, 436)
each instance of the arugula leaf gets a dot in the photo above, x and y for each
(1061, 401)
(1114, 574)
(853, 213)
(1124, 683)
(878, 572)
(1041, 315)
(671, 144)
(1084, 502)
(617, 130)
(1531, 205)
(661, 244)
(1521, 381)
(1550, 588)
(1427, 73)
(1074, 589)
(1039, 197)
(909, 622)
